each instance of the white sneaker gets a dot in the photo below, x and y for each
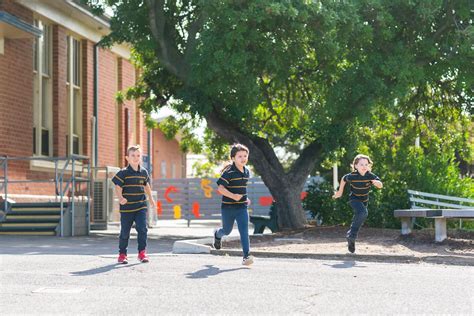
(247, 260)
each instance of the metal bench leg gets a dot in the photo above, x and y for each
(440, 229)
(406, 225)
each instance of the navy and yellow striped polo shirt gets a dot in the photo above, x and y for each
(360, 185)
(133, 184)
(236, 182)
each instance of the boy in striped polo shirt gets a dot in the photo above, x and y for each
(131, 184)
(361, 181)
(233, 186)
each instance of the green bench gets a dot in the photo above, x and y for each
(261, 221)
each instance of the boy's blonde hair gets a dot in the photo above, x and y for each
(133, 148)
(359, 157)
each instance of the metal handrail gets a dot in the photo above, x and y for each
(60, 189)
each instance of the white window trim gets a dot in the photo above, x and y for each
(72, 90)
(44, 165)
(38, 93)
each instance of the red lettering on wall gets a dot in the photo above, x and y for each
(159, 208)
(265, 200)
(196, 207)
(170, 189)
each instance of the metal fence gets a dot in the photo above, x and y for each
(71, 181)
(197, 198)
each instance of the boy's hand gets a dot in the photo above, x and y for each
(248, 201)
(238, 197)
(152, 204)
(378, 184)
(122, 201)
(337, 195)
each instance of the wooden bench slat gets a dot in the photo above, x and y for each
(457, 206)
(417, 213)
(440, 215)
(440, 196)
(466, 213)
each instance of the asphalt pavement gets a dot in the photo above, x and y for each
(79, 275)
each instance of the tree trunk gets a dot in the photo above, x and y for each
(285, 187)
(287, 198)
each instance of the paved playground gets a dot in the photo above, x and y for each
(79, 275)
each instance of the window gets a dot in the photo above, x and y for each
(74, 98)
(163, 169)
(42, 105)
(173, 171)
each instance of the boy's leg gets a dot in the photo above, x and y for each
(142, 230)
(126, 221)
(243, 225)
(228, 219)
(360, 215)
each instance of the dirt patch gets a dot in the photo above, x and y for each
(371, 241)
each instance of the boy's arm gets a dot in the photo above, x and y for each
(338, 194)
(377, 183)
(118, 191)
(150, 195)
(222, 190)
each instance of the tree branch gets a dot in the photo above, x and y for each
(167, 50)
(262, 154)
(305, 163)
(193, 30)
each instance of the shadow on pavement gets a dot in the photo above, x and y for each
(345, 265)
(210, 270)
(98, 245)
(103, 269)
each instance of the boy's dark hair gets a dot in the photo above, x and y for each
(233, 151)
(133, 148)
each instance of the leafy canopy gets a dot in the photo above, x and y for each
(295, 72)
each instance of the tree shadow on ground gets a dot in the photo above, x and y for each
(209, 271)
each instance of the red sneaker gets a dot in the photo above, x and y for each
(122, 258)
(143, 257)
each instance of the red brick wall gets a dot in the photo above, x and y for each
(17, 10)
(107, 109)
(60, 100)
(168, 151)
(127, 80)
(16, 104)
(131, 132)
(16, 90)
(141, 122)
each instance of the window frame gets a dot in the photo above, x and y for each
(74, 135)
(43, 91)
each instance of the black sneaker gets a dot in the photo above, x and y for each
(217, 241)
(351, 245)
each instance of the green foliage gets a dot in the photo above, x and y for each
(390, 141)
(205, 170)
(301, 74)
(320, 203)
(294, 72)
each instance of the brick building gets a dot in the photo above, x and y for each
(57, 93)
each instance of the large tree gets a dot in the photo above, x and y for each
(291, 75)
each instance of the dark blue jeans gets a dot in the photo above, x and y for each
(360, 215)
(229, 216)
(126, 222)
